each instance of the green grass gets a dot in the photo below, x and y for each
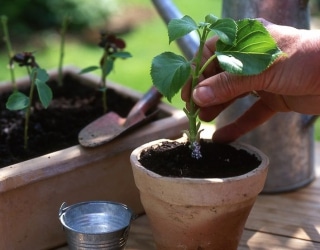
(146, 41)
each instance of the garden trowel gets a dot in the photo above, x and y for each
(111, 125)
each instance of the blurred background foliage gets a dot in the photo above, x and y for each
(136, 21)
(29, 16)
(34, 26)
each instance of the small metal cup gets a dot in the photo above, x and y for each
(96, 225)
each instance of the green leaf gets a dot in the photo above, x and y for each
(255, 49)
(107, 66)
(234, 65)
(17, 101)
(226, 29)
(178, 28)
(89, 69)
(121, 54)
(169, 73)
(211, 18)
(44, 91)
(42, 75)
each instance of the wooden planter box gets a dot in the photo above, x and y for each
(32, 191)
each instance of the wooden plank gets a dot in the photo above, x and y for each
(296, 224)
(140, 237)
(293, 214)
(263, 241)
(274, 223)
(288, 221)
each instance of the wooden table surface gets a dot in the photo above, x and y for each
(277, 222)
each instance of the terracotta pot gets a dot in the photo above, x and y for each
(32, 191)
(188, 213)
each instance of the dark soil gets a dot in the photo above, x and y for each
(174, 159)
(55, 128)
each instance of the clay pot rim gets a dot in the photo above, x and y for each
(135, 156)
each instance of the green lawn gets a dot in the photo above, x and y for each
(147, 40)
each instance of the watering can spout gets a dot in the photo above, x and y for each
(309, 120)
(167, 10)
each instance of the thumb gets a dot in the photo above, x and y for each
(222, 88)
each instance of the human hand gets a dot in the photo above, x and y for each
(292, 83)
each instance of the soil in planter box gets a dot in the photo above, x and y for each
(73, 107)
(174, 159)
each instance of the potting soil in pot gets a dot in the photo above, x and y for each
(173, 159)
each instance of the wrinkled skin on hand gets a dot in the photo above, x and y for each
(292, 83)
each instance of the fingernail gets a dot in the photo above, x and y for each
(203, 95)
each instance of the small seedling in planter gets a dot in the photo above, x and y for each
(244, 47)
(38, 78)
(112, 49)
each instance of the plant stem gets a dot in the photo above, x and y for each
(104, 82)
(104, 95)
(7, 41)
(207, 63)
(62, 45)
(33, 78)
(193, 109)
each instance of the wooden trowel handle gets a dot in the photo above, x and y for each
(147, 102)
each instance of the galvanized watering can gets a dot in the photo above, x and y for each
(96, 225)
(287, 138)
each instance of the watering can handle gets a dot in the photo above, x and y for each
(63, 208)
(167, 10)
(309, 120)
